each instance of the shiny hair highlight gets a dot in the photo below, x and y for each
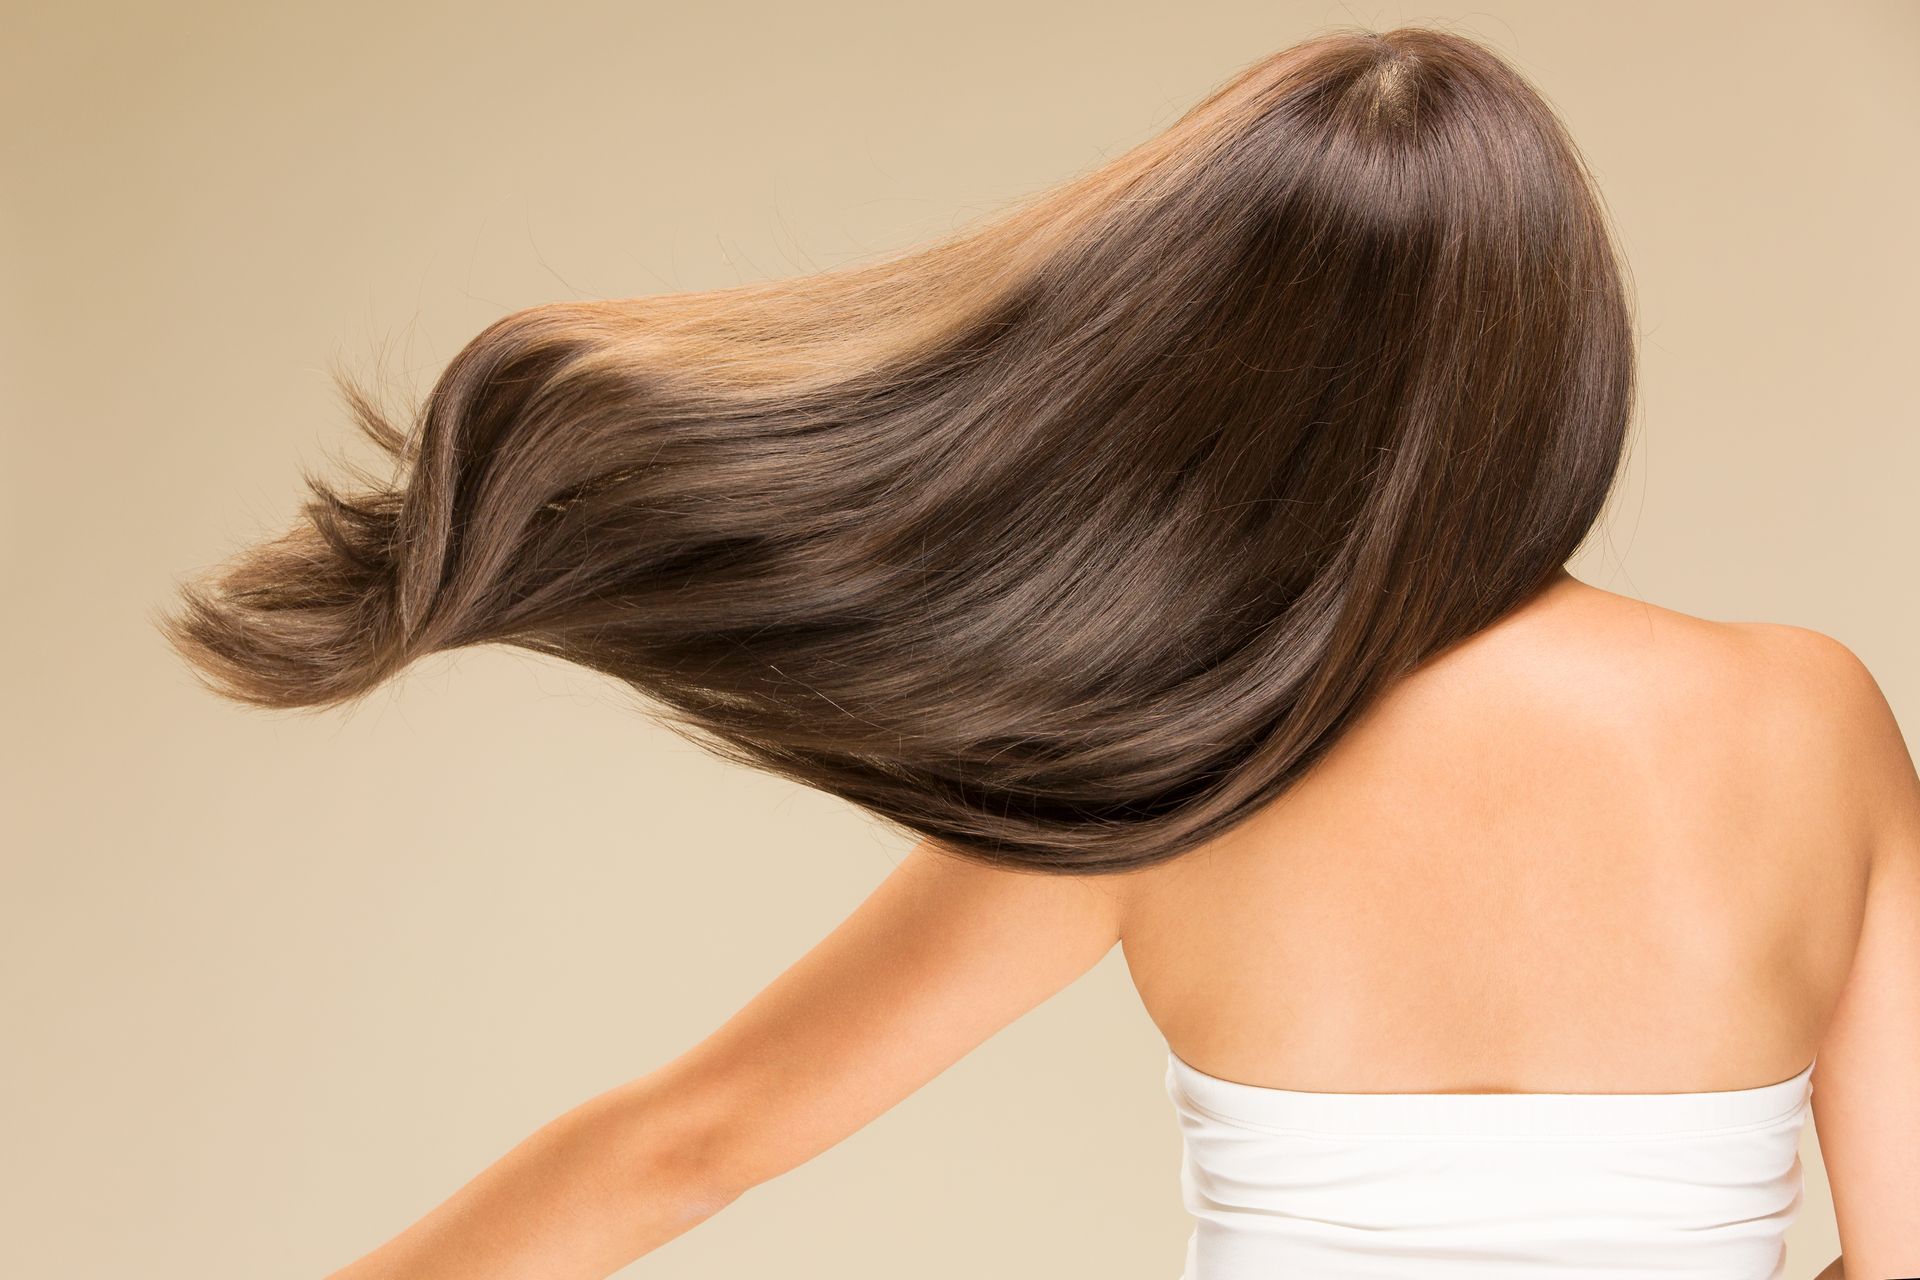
(1067, 542)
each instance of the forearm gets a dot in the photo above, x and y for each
(587, 1193)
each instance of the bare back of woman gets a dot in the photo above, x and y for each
(1599, 847)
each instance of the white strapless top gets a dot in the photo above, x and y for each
(1287, 1185)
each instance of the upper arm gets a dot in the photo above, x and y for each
(1866, 1092)
(944, 953)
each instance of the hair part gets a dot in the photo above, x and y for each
(1067, 542)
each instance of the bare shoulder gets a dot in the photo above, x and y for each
(1812, 660)
(1803, 678)
(1864, 1104)
(1629, 657)
(1823, 696)
(1788, 709)
(1826, 682)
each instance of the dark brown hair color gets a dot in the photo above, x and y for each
(1066, 542)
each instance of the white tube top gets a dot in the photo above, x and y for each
(1287, 1185)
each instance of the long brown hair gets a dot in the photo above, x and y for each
(1068, 541)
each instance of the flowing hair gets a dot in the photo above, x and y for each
(1066, 542)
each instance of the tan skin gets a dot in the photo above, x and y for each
(1599, 847)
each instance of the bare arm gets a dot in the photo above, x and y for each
(940, 956)
(611, 1179)
(1866, 1093)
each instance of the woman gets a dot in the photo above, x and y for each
(1180, 556)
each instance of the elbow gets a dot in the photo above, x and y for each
(683, 1146)
(694, 1169)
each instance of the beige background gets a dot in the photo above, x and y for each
(273, 985)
